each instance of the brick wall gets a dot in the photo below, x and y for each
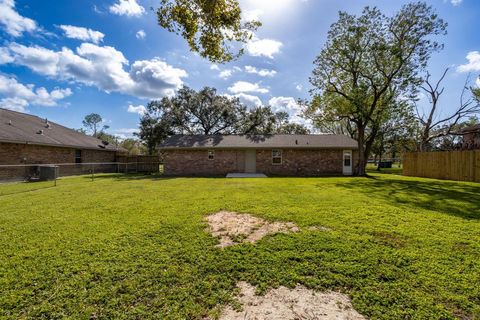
(12, 153)
(301, 162)
(196, 162)
(294, 162)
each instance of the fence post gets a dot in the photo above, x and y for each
(93, 170)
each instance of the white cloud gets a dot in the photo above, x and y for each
(289, 105)
(214, 67)
(247, 99)
(14, 23)
(260, 72)
(225, 74)
(477, 82)
(124, 133)
(15, 104)
(473, 64)
(141, 110)
(103, 67)
(456, 2)
(5, 56)
(81, 33)
(244, 86)
(128, 8)
(17, 96)
(263, 47)
(155, 78)
(254, 14)
(140, 34)
(299, 87)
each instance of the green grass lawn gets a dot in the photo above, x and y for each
(129, 247)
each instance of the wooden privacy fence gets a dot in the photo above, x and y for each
(447, 165)
(144, 164)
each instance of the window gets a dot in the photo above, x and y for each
(276, 156)
(347, 159)
(78, 156)
(211, 155)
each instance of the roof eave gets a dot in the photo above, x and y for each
(257, 147)
(59, 145)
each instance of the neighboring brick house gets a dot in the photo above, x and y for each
(282, 155)
(471, 137)
(27, 139)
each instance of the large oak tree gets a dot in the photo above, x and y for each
(371, 61)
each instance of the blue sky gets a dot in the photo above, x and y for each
(65, 59)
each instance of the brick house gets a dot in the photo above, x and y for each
(282, 155)
(27, 139)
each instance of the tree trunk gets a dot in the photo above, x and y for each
(362, 161)
(379, 161)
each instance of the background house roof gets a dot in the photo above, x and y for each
(312, 141)
(16, 127)
(470, 129)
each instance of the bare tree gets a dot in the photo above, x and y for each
(434, 126)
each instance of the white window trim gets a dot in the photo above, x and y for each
(281, 157)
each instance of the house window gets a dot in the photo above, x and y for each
(78, 156)
(211, 154)
(347, 160)
(276, 156)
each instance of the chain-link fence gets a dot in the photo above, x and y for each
(46, 175)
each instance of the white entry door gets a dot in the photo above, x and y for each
(250, 161)
(347, 163)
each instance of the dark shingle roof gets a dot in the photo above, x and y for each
(16, 127)
(312, 141)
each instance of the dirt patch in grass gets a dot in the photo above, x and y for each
(233, 228)
(291, 304)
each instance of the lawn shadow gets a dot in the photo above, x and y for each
(454, 198)
(142, 176)
(126, 177)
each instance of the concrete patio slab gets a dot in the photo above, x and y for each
(246, 175)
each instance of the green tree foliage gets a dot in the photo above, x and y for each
(93, 122)
(133, 146)
(453, 140)
(476, 94)
(368, 63)
(209, 27)
(205, 112)
(397, 134)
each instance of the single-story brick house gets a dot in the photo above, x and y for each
(283, 155)
(27, 139)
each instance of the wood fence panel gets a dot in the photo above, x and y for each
(447, 165)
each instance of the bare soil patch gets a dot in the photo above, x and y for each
(233, 228)
(291, 304)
